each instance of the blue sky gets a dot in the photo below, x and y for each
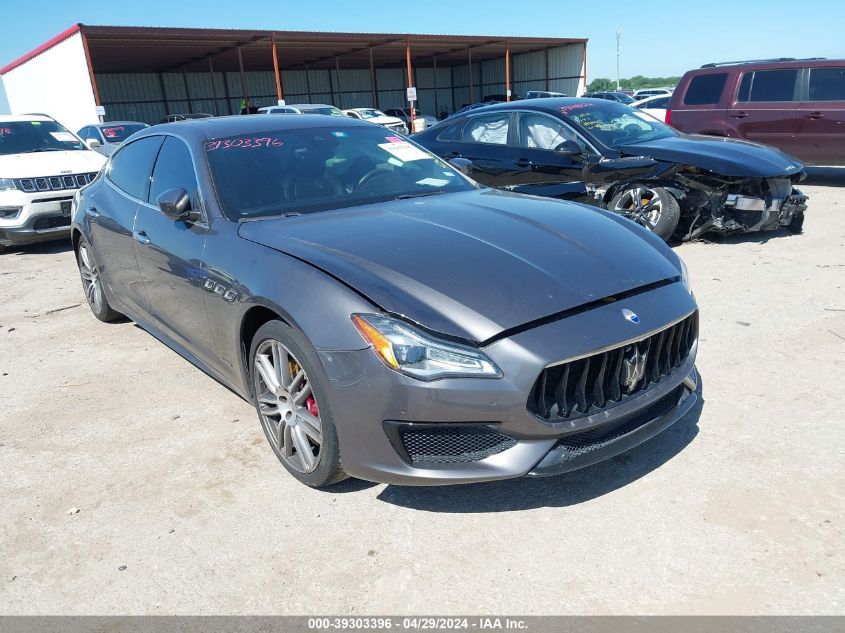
(659, 38)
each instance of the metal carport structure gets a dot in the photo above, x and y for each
(145, 73)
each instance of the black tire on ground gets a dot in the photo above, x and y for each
(670, 213)
(797, 223)
(328, 470)
(92, 285)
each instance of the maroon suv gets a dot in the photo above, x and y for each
(797, 105)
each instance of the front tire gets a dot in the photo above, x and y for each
(290, 398)
(655, 208)
(92, 284)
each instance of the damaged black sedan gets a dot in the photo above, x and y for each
(613, 156)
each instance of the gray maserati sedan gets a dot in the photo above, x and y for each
(389, 318)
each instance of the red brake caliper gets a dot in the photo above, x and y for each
(311, 405)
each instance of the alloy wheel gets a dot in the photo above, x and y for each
(91, 282)
(642, 205)
(286, 403)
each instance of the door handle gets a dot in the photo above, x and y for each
(523, 162)
(739, 115)
(815, 115)
(92, 212)
(141, 236)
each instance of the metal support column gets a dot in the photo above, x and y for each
(243, 80)
(337, 79)
(507, 70)
(213, 87)
(436, 106)
(469, 74)
(187, 90)
(373, 80)
(410, 79)
(280, 96)
(547, 69)
(307, 83)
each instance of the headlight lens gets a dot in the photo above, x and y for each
(405, 349)
(685, 275)
(7, 183)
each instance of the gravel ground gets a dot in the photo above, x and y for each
(133, 483)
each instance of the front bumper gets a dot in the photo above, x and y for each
(41, 218)
(373, 404)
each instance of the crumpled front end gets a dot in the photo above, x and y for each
(717, 204)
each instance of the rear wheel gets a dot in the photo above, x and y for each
(92, 284)
(292, 406)
(652, 207)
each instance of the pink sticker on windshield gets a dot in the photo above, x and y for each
(5, 131)
(112, 132)
(394, 139)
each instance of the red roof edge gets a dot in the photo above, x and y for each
(61, 37)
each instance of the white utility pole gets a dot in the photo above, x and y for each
(618, 53)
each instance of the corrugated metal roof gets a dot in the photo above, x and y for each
(117, 49)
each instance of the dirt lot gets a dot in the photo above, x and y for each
(182, 508)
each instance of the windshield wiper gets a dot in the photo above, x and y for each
(408, 196)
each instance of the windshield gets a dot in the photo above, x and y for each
(615, 124)
(119, 133)
(370, 114)
(24, 137)
(293, 171)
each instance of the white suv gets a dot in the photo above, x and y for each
(42, 165)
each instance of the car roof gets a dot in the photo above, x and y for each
(309, 106)
(198, 130)
(551, 104)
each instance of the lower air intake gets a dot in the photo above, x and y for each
(452, 445)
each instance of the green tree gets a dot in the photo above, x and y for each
(601, 84)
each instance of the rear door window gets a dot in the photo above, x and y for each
(131, 165)
(774, 85)
(827, 84)
(705, 89)
(488, 128)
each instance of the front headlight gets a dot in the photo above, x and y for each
(685, 275)
(404, 348)
(7, 183)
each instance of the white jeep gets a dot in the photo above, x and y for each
(42, 165)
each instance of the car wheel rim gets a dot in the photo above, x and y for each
(287, 406)
(91, 282)
(642, 205)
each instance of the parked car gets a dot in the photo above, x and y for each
(277, 109)
(104, 138)
(543, 94)
(796, 105)
(421, 121)
(620, 97)
(389, 318)
(172, 118)
(609, 154)
(317, 108)
(371, 115)
(42, 164)
(644, 93)
(656, 106)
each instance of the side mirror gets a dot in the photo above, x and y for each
(461, 164)
(569, 148)
(93, 143)
(175, 204)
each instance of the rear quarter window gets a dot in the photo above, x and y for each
(705, 89)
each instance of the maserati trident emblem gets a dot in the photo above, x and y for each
(631, 316)
(633, 368)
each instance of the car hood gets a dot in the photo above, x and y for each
(473, 264)
(33, 165)
(724, 156)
